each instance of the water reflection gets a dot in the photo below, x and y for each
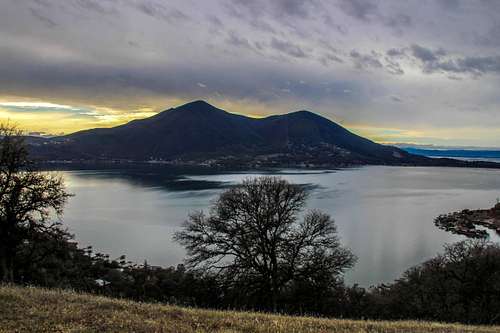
(384, 214)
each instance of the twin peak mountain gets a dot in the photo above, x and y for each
(199, 133)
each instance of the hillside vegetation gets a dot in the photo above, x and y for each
(42, 310)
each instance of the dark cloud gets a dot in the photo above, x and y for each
(331, 23)
(261, 25)
(275, 8)
(362, 10)
(133, 44)
(277, 17)
(398, 21)
(240, 8)
(42, 18)
(424, 54)
(288, 48)
(395, 52)
(296, 8)
(99, 6)
(251, 12)
(159, 11)
(474, 65)
(365, 61)
(104, 83)
(263, 15)
(441, 61)
(214, 20)
(393, 67)
(397, 99)
(454, 77)
(237, 41)
(369, 11)
(328, 58)
(291, 7)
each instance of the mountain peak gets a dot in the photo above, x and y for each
(197, 105)
(304, 114)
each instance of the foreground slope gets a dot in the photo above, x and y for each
(40, 310)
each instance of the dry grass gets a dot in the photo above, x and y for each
(40, 310)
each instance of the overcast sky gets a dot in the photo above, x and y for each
(396, 71)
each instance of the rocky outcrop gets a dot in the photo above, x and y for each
(469, 222)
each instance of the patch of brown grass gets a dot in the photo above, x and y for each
(41, 310)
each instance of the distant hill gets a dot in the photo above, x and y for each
(198, 132)
(462, 153)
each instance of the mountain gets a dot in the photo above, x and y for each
(198, 132)
(456, 153)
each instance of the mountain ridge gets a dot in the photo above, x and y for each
(198, 132)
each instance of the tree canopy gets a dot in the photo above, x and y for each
(253, 237)
(28, 198)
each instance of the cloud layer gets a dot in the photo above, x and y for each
(414, 71)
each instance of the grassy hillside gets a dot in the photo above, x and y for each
(40, 310)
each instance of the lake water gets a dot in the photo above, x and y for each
(384, 214)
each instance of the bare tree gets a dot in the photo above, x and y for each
(28, 198)
(253, 233)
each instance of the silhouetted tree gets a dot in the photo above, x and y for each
(27, 198)
(462, 284)
(254, 239)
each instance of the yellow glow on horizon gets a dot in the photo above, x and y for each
(36, 105)
(428, 135)
(67, 117)
(59, 118)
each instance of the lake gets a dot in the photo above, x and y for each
(384, 214)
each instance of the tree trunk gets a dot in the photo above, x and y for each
(274, 279)
(7, 275)
(10, 268)
(274, 299)
(274, 292)
(6, 265)
(3, 265)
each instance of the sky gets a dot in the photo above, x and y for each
(415, 71)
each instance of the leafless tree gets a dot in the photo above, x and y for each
(28, 198)
(253, 233)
